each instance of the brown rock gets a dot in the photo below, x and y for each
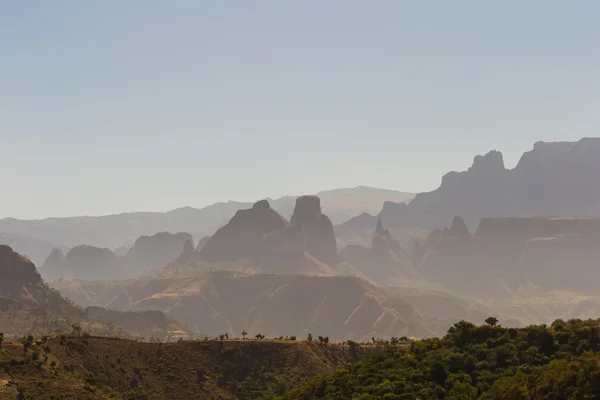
(242, 237)
(319, 235)
(16, 271)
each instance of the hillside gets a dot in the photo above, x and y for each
(559, 361)
(553, 179)
(37, 238)
(273, 305)
(98, 368)
(29, 306)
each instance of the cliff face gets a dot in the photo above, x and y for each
(552, 253)
(553, 179)
(319, 235)
(152, 252)
(265, 237)
(384, 262)
(242, 237)
(17, 272)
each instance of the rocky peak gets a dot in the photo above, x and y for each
(392, 213)
(242, 236)
(379, 230)
(16, 271)
(492, 162)
(54, 260)
(261, 205)
(307, 207)
(187, 252)
(459, 229)
(319, 235)
(152, 252)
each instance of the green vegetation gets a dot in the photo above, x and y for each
(79, 366)
(560, 361)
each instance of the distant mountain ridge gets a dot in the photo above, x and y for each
(37, 238)
(553, 179)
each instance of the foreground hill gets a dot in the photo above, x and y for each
(97, 368)
(553, 179)
(273, 305)
(113, 231)
(476, 362)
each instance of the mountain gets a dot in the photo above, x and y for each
(506, 253)
(553, 179)
(384, 262)
(93, 263)
(113, 231)
(264, 237)
(36, 250)
(28, 305)
(274, 305)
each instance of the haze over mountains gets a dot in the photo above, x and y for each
(553, 179)
(36, 238)
(476, 246)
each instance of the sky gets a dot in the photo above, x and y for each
(149, 105)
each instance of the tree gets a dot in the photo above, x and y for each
(326, 339)
(244, 334)
(491, 321)
(309, 338)
(76, 329)
(1, 339)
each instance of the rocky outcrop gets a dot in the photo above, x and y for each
(35, 249)
(506, 253)
(17, 272)
(21, 282)
(153, 252)
(242, 236)
(55, 261)
(92, 263)
(201, 244)
(384, 262)
(553, 179)
(459, 229)
(319, 235)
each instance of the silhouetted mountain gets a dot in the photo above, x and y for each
(93, 263)
(552, 253)
(36, 250)
(384, 261)
(242, 237)
(113, 231)
(153, 252)
(29, 305)
(553, 179)
(317, 229)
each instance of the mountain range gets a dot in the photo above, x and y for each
(37, 238)
(553, 179)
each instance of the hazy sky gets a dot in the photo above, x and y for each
(122, 105)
